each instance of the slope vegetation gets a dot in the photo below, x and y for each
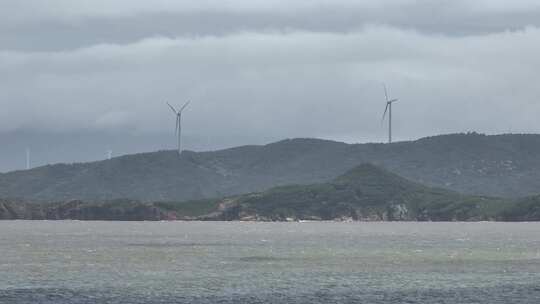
(504, 165)
(365, 193)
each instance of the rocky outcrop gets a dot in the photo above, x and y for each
(78, 210)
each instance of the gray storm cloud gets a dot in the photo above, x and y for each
(255, 72)
(290, 77)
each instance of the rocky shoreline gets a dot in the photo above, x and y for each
(139, 211)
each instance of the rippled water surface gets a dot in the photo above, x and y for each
(231, 262)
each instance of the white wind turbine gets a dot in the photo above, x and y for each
(388, 110)
(178, 128)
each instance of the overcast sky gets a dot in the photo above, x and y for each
(80, 77)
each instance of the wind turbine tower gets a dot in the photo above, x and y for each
(178, 128)
(27, 158)
(388, 110)
(109, 154)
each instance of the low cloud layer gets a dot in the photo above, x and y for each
(265, 70)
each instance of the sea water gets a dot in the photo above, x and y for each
(247, 262)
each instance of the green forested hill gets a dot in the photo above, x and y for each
(503, 165)
(364, 193)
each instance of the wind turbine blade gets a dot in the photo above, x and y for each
(177, 124)
(385, 111)
(385, 92)
(172, 108)
(393, 100)
(184, 106)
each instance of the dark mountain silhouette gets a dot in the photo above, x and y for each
(502, 165)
